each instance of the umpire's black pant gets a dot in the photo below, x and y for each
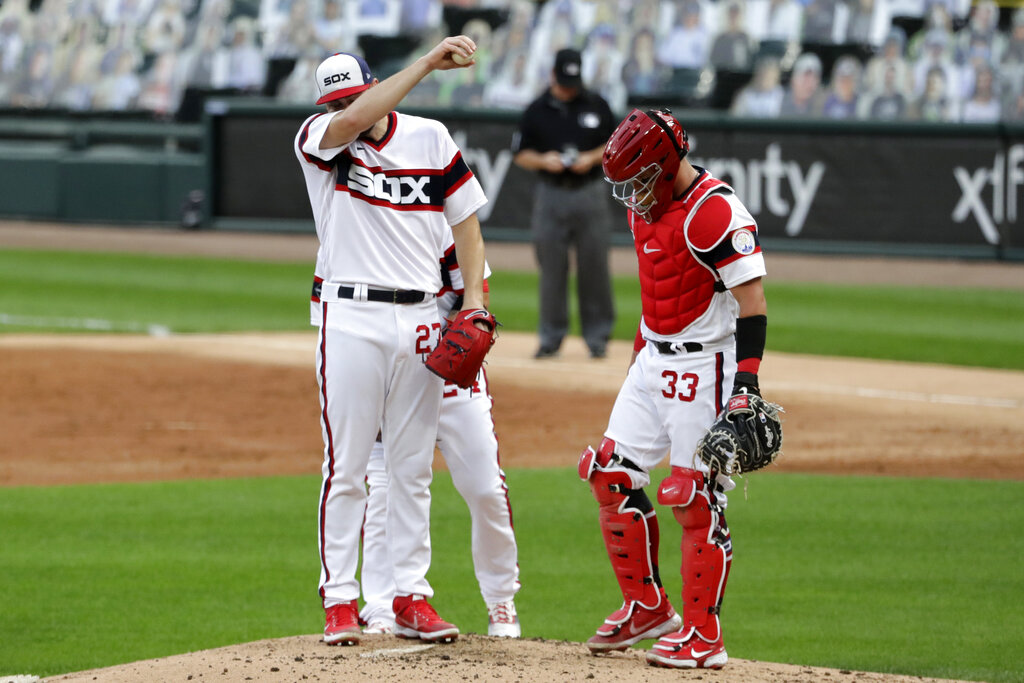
(565, 217)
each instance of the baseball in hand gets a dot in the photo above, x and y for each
(460, 60)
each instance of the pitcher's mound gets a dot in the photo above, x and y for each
(470, 658)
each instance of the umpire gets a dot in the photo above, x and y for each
(562, 136)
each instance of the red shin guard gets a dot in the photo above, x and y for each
(706, 549)
(629, 527)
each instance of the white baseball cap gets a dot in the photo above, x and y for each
(342, 75)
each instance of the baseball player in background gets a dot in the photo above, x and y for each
(702, 331)
(466, 439)
(386, 189)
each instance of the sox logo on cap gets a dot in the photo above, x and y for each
(341, 75)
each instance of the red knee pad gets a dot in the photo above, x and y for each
(679, 488)
(590, 458)
(608, 486)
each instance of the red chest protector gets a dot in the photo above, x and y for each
(675, 286)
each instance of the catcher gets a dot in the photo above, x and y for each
(695, 362)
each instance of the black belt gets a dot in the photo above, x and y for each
(669, 348)
(391, 296)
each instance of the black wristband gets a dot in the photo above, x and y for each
(750, 337)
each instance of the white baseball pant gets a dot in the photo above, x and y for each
(466, 439)
(371, 376)
(666, 404)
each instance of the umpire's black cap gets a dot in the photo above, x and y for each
(569, 68)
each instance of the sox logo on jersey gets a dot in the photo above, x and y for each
(404, 190)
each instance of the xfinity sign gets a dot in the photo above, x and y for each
(1004, 176)
(762, 184)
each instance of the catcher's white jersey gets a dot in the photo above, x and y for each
(383, 209)
(704, 244)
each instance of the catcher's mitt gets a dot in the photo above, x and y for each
(463, 345)
(746, 436)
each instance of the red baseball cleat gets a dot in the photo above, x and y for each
(415, 618)
(632, 623)
(687, 650)
(342, 624)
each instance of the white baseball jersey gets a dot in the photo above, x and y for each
(383, 209)
(453, 286)
(703, 245)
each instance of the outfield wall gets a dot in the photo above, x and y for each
(932, 190)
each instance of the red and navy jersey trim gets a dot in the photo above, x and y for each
(316, 161)
(456, 174)
(448, 264)
(724, 254)
(388, 134)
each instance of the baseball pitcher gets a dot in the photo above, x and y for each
(386, 189)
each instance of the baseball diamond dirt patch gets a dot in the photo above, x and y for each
(149, 408)
(131, 408)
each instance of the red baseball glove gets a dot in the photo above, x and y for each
(463, 345)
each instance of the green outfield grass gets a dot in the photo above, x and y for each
(912, 576)
(54, 290)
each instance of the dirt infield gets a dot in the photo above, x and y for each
(102, 408)
(128, 408)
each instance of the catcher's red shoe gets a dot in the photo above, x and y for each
(687, 650)
(632, 623)
(342, 627)
(415, 618)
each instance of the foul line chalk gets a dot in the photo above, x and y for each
(91, 324)
(863, 392)
(917, 396)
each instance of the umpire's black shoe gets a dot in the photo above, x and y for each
(546, 352)
(598, 352)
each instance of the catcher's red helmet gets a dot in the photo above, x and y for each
(641, 161)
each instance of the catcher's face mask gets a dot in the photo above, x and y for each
(639, 193)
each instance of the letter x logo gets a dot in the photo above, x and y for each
(971, 186)
(346, 76)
